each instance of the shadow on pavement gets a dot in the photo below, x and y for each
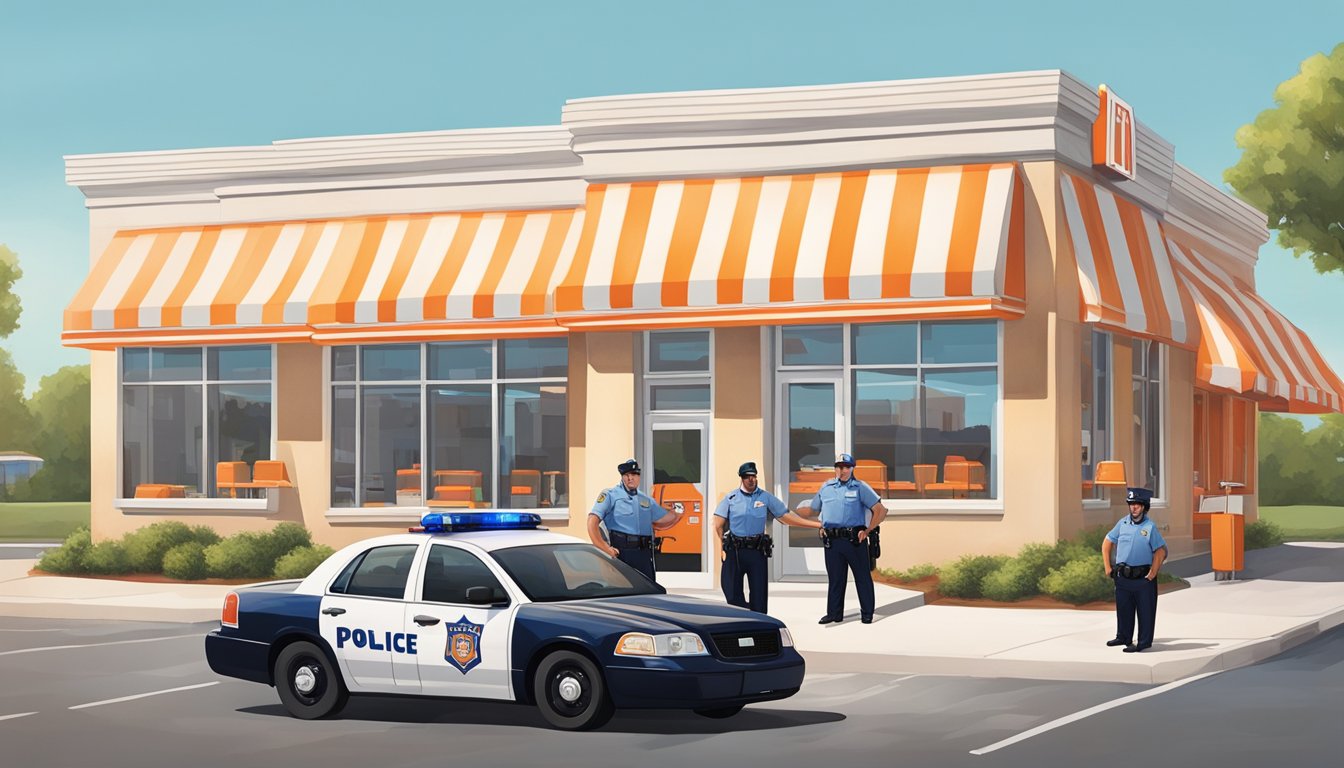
(1159, 646)
(391, 709)
(1286, 562)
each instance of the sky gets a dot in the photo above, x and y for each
(94, 77)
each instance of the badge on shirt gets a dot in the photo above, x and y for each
(644, 503)
(1143, 531)
(601, 497)
(851, 494)
(759, 504)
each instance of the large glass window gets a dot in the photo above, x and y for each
(1096, 412)
(1147, 382)
(193, 417)
(676, 371)
(490, 416)
(923, 407)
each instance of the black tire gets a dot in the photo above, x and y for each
(570, 692)
(309, 685)
(719, 713)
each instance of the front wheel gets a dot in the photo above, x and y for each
(308, 685)
(718, 713)
(571, 693)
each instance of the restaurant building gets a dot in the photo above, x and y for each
(989, 289)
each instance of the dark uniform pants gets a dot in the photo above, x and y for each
(1135, 596)
(752, 564)
(843, 554)
(638, 558)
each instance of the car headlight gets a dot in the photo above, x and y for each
(676, 644)
(785, 639)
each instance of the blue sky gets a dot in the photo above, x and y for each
(91, 77)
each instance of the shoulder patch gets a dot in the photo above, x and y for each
(601, 497)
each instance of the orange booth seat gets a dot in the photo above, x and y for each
(270, 474)
(686, 536)
(232, 476)
(924, 475)
(961, 477)
(462, 496)
(160, 491)
(872, 472)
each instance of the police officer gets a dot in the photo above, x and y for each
(629, 516)
(1139, 552)
(843, 503)
(745, 512)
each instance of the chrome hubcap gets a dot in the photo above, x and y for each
(305, 680)
(570, 689)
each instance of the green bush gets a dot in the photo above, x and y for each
(915, 573)
(146, 547)
(107, 557)
(964, 577)
(1090, 539)
(185, 561)
(1263, 533)
(69, 557)
(300, 562)
(283, 539)
(1015, 580)
(1078, 581)
(241, 556)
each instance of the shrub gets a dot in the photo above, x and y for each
(185, 561)
(1263, 533)
(146, 547)
(1090, 538)
(241, 556)
(915, 573)
(301, 561)
(107, 557)
(69, 557)
(1015, 580)
(964, 577)
(283, 539)
(1078, 581)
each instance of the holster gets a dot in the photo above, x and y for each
(874, 548)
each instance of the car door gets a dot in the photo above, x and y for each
(462, 649)
(363, 620)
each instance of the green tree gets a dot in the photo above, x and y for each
(1292, 162)
(9, 301)
(16, 423)
(60, 413)
(1298, 466)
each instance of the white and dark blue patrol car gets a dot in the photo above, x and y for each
(484, 605)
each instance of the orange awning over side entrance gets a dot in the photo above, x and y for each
(810, 247)
(1247, 347)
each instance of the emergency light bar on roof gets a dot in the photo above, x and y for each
(457, 522)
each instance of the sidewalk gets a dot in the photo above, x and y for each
(1286, 595)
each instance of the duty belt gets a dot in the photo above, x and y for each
(626, 541)
(759, 541)
(842, 533)
(1131, 571)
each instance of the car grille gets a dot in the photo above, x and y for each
(747, 645)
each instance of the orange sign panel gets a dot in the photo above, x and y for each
(1113, 135)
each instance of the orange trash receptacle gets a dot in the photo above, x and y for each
(1227, 533)
(685, 537)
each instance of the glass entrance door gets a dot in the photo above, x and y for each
(811, 409)
(676, 476)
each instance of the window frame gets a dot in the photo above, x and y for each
(652, 379)
(205, 501)
(1147, 377)
(1100, 498)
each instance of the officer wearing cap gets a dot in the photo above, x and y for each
(844, 504)
(1139, 552)
(629, 517)
(745, 513)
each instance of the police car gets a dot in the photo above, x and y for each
(489, 606)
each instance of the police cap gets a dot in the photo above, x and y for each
(844, 460)
(1139, 496)
(627, 466)
(747, 469)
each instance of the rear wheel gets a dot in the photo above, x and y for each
(718, 713)
(308, 685)
(571, 693)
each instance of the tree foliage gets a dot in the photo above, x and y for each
(1298, 466)
(9, 301)
(1292, 163)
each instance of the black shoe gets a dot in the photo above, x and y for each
(830, 619)
(1134, 648)
(1116, 641)
(867, 619)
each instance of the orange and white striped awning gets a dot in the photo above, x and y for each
(1125, 278)
(334, 281)
(1247, 347)
(780, 249)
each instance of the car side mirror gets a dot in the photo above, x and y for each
(484, 596)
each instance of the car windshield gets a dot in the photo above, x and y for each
(550, 573)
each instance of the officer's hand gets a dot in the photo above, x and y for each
(1151, 576)
(863, 534)
(614, 552)
(1108, 571)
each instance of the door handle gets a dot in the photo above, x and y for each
(333, 611)
(425, 621)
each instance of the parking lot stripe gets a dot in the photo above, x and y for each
(95, 645)
(142, 695)
(1076, 716)
(21, 714)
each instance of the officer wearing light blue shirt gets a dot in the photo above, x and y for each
(1139, 551)
(844, 504)
(631, 516)
(746, 513)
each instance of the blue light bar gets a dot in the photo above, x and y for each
(438, 522)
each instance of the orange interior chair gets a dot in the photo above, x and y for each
(1110, 473)
(270, 474)
(160, 491)
(872, 472)
(957, 478)
(462, 496)
(525, 488)
(231, 476)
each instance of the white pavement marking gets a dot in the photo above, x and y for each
(142, 695)
(853, 696)
(1076, 716)
(96, 645)
(21, 714)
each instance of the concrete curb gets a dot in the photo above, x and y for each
(107, 612)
